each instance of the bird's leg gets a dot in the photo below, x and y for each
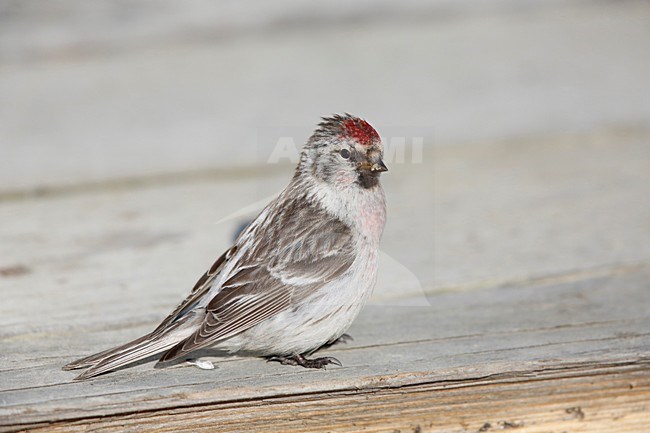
(304, 362)
(315, 362)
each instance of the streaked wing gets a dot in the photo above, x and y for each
(199, 290)
(296, 252)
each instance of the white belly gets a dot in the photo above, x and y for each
(319, 319)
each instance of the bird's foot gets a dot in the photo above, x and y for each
(304, 362)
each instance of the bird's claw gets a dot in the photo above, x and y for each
(300, 360)
(328, 360)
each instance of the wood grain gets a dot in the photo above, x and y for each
(513, 354)
(581, 398)
(515, 280)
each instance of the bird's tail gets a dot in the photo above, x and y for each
(133, 351)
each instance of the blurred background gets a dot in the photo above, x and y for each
(136, 136)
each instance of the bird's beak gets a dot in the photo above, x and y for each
(379, 166)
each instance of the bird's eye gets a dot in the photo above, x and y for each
(345, 154)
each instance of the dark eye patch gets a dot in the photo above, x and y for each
(345, 154)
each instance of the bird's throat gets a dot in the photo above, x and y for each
(368, 179)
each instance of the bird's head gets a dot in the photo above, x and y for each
(344, 151)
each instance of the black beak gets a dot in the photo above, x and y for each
(379, 166)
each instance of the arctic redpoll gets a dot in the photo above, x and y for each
(297, 276)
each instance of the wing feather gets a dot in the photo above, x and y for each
(299, 250)
(199, 290)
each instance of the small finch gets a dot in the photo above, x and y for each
(297, 276)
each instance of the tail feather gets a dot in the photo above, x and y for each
(155, 342)
(91, 360)
(128, 353)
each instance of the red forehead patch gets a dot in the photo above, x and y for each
(361, 131)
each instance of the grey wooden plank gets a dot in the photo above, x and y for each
(225, 101)
(520, 258)
(30, 31)
(601, 399)
(523, 209)
(517, 331)
(467, 216)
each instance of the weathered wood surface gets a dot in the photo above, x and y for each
(514, 285)
(513, 341)
(608, 398)
(467, 216)
(521, 354)
(103, 91)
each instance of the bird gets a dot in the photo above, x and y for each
(297, 276)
